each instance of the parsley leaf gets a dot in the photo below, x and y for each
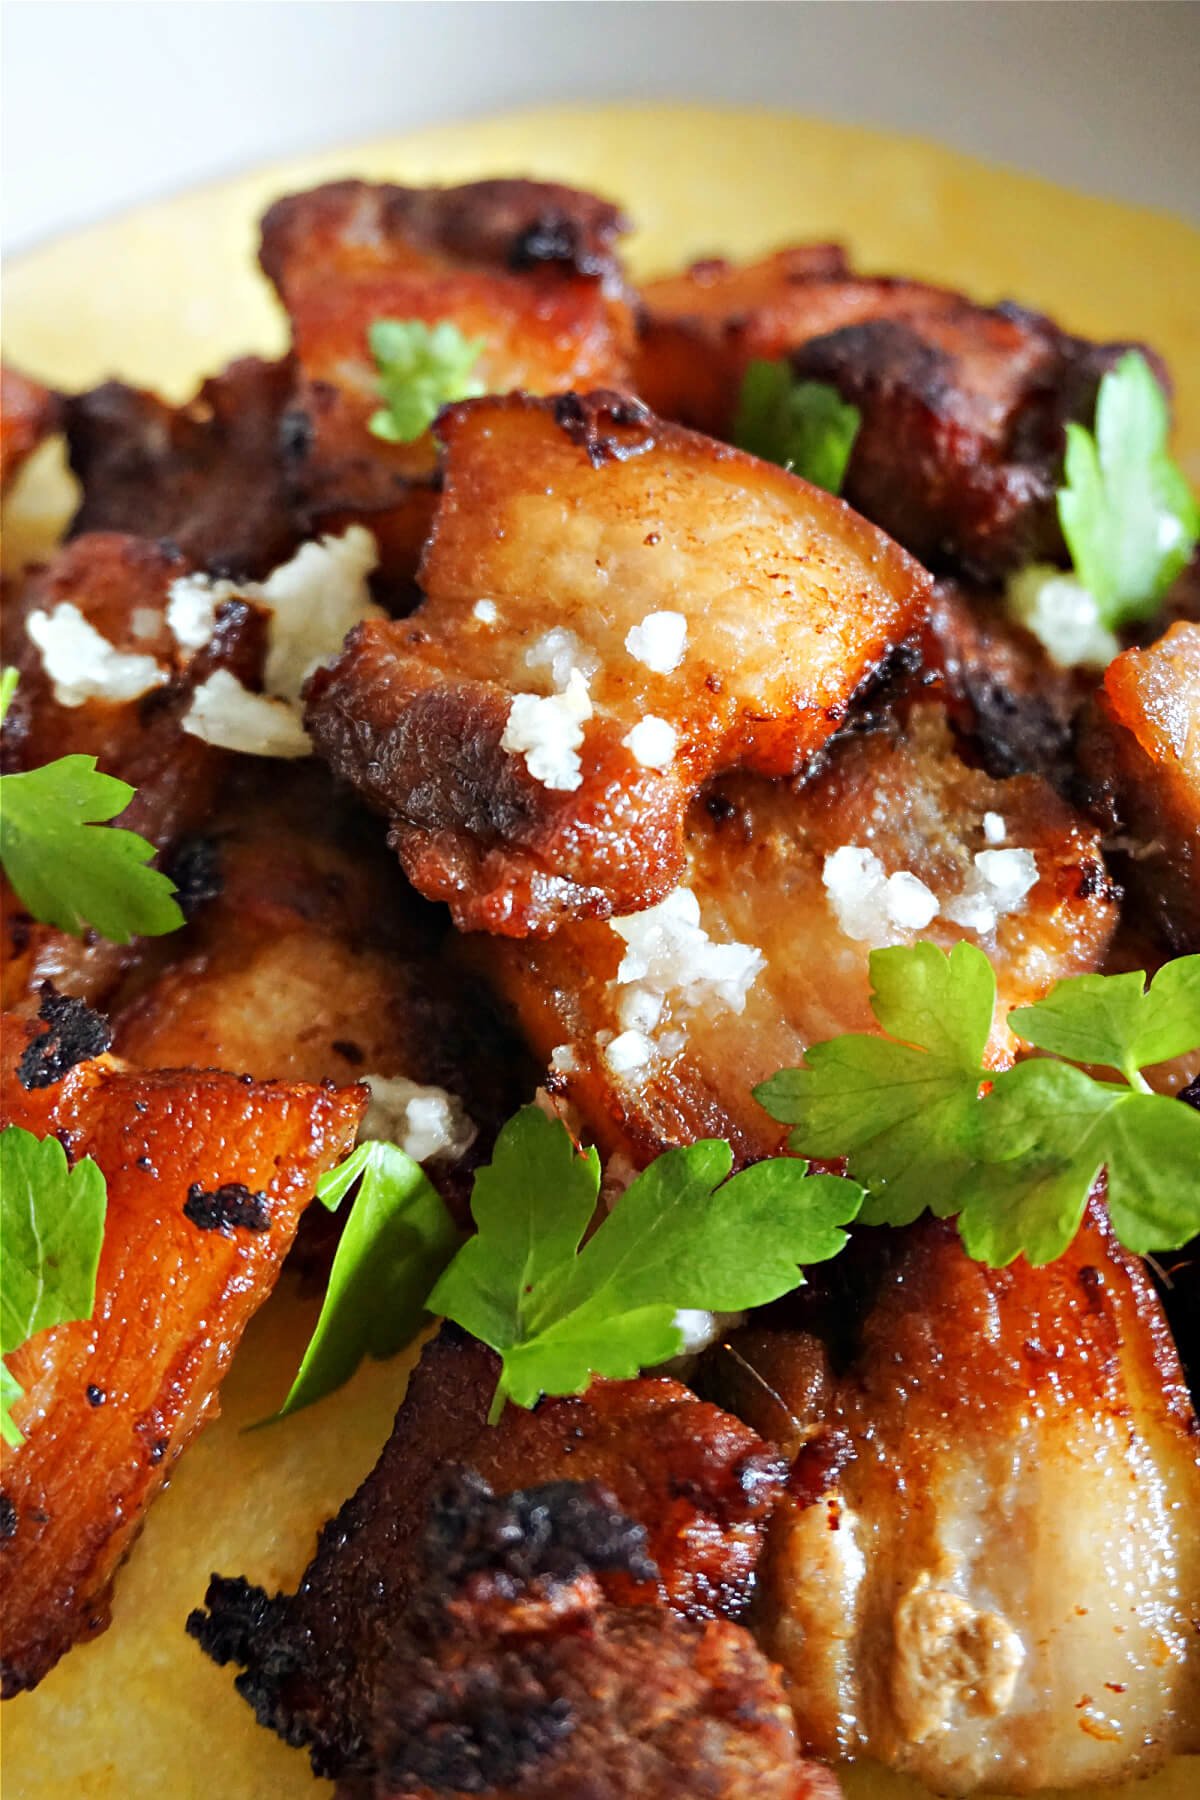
(805, 426)
(904, 1113)
(1015, 1154)
(683, 1236)
(8, 687)
(397, 1239)
(1127, 513)
(421, 369)
(52, 1227)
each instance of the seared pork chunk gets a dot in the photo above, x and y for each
(963, 406)
(985, 1570)
(528, 268)
(1140, 755)
(656, 608)
(698, 1481)
(207, 475)
(513, 1677)
(207, 1177)
(788, 972)
(28, 413)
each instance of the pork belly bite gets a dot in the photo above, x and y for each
(963, 407)
(985, 1571)
(28, 413)
(527, 267)
(207, 1177)
(512, 1676)
(615, 610)
(101, 674)
(1140, 754)
(656, 1026)
(207, 475)
(697, 1481)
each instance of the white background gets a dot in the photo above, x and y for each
(106, 104)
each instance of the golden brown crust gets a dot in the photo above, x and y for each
(110, 1403)
(529, 267)
(28, 413)
(207, 475)
(583, 515)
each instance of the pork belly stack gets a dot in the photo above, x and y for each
(527, 267)
(576, 519)
(963, 407)
(207, 1176)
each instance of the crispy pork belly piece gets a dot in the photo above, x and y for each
(528, 267)
(756, 857)
(208, 475)
(513, 1677)
(963, 406)
(28, 413)
(581, 522)
(986, 1570)
(699, 1482)
(119, 585)
(207, 1177)
(1140, 754)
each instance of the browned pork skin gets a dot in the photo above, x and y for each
(28, 413)
(576, 518)
(1140, 753)
(513, 1677)
(117, 583)
(755, 856)
(207, 1177)
(963, 406)
(207, 475)
(698, 1481)
(527, 267)
(985, 1571)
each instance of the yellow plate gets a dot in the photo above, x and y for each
(166, 294)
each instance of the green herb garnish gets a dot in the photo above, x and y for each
(683, 1236)
(51, 1229)
(805, 426)
(923, 1124)
(1127, 513)
(70, 868)
(421, 369)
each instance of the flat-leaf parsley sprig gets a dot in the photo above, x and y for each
(71, 868)
(804, 426)
(922, 1123)
(421, 368)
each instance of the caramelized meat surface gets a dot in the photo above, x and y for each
(207, 1177)
(963, 406)
(1140, 753)
(756, 855)
(514, 1678)
(207, 476)
(1008, 1602)
(698, 1481)
(576, 519)
(527, 267)
(28, 413)
(119, 585)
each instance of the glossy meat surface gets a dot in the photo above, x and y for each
(529, 267)
(1140, 753)
(514, 1678)
(963, 406)
(985, 1571)
(699, 1481)
(111, 1402)
(576, 519)
(207, 476)
(755, 858)
(28, 413)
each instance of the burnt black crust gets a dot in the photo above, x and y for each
(73, 1034)
(195, 868)
(487, 1731)
(8, 1518)
(592, 422)
(227, 1208)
